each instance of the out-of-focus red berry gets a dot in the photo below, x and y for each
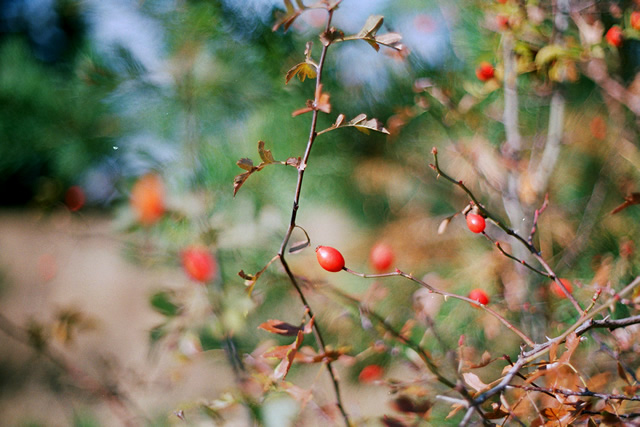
(635, 20)
(614, 36)
(557, 290)
(199, 263)
(74, 198)
(485, 71)
(147, 199)
(370, 373)
(381, 257)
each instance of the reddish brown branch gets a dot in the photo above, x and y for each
(583, 393)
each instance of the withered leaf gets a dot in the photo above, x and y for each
(281, 328)
(293, 161)
(246, 164)
(330, 36)
(371, 26)
(302, 70)
(265, 155)
(283, 367)
(246, 276)
(622, 374)
(474, 381)
(406, 404)
(389, 39)
(239, 180)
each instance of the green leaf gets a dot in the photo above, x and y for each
(161, 302)
(157, 333)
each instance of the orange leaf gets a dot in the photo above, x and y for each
(302, 70)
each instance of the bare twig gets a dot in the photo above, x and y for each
(120, 403)
(481, 208)
(584, 393)
(580, 327)
(536, 217)
(422, 353)
(530, 247)
(475, 303)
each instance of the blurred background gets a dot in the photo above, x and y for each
(95, 95)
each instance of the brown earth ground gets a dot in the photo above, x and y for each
(59, 261)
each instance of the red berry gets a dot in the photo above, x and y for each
(635, 20)
(485, 71)
(329, 258)
(480, 296)
(381, 257)
(503, 22)
(502, 1)
(74, 198)
(199, 263)
(557, 290)
(614, 36)
(370, 373)
(147, 199)
(476, 223)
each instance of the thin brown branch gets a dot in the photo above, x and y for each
(422, 353)
(445, 294)
(579, 327)
(536, 217)
(481, 208)
(292, 223)
(584, 393)
(532, 249)
(514, 258)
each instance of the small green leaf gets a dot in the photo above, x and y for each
(161, 302)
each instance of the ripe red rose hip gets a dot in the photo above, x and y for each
(199, 263)
(485, 71)
(475, 222)
(614, 36)
(381, 257)
(635, 20)
(557, 290)
(480, 296)
(329, 258)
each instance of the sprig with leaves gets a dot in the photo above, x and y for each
(312, 69)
